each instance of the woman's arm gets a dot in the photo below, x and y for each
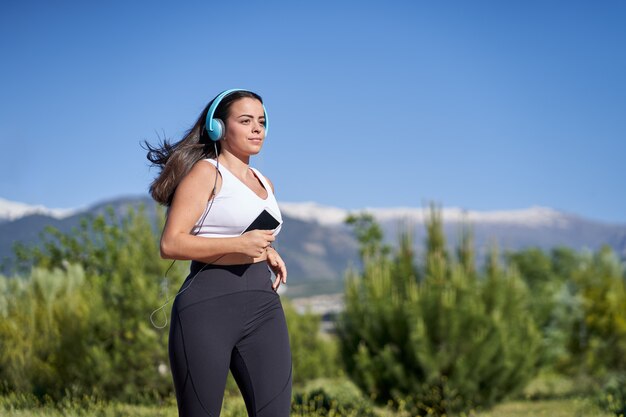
(188, 204)
(275, 261)
(278, 266)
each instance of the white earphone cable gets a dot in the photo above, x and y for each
(164, 281)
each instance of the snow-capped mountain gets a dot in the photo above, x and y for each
(534, 216)
(11, 210)
(318, 246)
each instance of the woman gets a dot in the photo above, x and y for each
(228, 313)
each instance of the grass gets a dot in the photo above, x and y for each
(234, 407)
(549, 395)
(575, 407)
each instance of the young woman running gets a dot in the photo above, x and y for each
(227, 314)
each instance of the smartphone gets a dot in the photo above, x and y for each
(264, 221)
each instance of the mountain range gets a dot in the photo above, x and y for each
(318, 247)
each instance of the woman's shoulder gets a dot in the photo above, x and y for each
(206, 164)
(212, 161)
(201, 171)
(195, 184)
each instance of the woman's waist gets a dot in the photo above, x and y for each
(234, 261)
(227, 286)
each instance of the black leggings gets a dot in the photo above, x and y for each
(230, 317)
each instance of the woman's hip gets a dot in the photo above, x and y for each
(207, 282)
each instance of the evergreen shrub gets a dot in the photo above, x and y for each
(612, 396)
(331, 397)
(440, 338)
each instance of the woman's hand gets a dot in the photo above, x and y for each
(255, 242)
(277, 265)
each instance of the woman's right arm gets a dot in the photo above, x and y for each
(188, 204)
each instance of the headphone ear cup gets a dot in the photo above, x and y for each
(218, 130)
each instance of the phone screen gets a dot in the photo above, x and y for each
(264, 221)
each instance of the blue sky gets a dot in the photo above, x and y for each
(483, 105)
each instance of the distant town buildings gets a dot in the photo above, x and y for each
(328, 306)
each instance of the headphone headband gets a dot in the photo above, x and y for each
(215, 127)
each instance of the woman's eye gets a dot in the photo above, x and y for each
(245, 121)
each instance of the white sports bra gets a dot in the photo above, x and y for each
(235, 207)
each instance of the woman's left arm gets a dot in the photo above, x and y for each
(277, 265)
(274, 260)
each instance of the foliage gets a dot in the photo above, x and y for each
(29, 405)
(612, 396)
(369, 234)
(336, 397)
(42, 319)
(555, 304)
(579, 303)
(96, 336)
(313, 356)
(598, 342)
(22, 405)
(569, 407)
(549, 384)
(436, 337)
(78, 322)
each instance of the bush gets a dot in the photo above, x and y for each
(78, 322)
(331, 397)
(612, 396)
(598, 344)
(440, 338)
(43, 319)
(313, 355)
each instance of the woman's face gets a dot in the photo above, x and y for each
(245, 129)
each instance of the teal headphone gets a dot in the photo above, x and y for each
(215, 127)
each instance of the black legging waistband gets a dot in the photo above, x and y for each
(237, 269)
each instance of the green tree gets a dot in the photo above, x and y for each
(554, 304)
(598, 342)
(44, 317)
(370, 236)
(125, 355)
(443, 343)
(79, 321)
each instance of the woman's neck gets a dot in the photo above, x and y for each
(236, 164)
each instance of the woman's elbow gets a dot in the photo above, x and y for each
(166, 249)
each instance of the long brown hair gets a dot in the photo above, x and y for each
(175, 160)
